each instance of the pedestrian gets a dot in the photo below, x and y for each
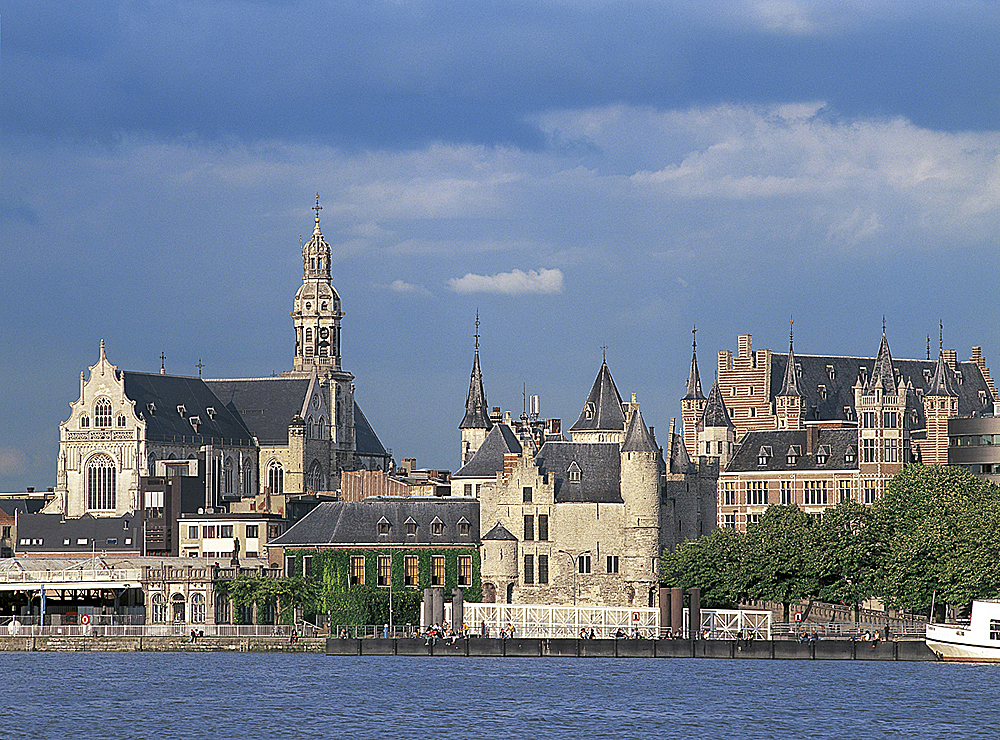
(385, 631)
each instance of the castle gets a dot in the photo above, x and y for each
(287, 434)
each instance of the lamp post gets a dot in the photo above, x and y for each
(575, 559)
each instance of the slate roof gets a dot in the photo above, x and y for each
(836, 442)
(882, 374)
(715, 414)
(101, 534)
(499, 532)
(366, 442)
(816, 370)
(694, 380)
(488, 459)
(943, 381)
(600, 471)
(603, 409)
(346, 523)
(165, 424)
(637, 437)
(21, 505)
(476, 411)
(266, 405)
(790, 381)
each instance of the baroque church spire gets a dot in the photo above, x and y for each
(694, 380)
(476, 410)
(316, 313)
(790, 384)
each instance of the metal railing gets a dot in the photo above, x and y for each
(363, 631)
(848, 630)
(16, 629)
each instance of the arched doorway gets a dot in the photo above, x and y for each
(177, 602)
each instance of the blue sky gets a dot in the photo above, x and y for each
(584, 173)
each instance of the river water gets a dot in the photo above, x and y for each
(162, 696)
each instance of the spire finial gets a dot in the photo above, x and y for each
(940, 335)
(102, 349)
(163, 360)
(694, 337)
(928, 346)
(317, 208)
(477, 330)
(604, 354)
(791, 325)
(883, 324)
(200, 365)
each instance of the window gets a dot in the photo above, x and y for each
(192, 531)
(120, 421)
(84, 421)
(411, 570)
(101, 483)
(384, 570)
(764, 455)
(102, 413)
(225, 530)
(753, 518)
(589, 410)
(793, 454)
(843, 491)
(198, 608)
(252, 531)
(529, 527)
(357, 570)
(314, 478)
(753, 412)
(383, 526)
(467, 489)
(574, 473)
(891, 450)
(868, 419)
(890, 419)
(275, 477)
(815, 492)
(583, 564)
(411, 527)
(868, 450)
(756, 492)
(526, 494)
(529, 569)
(612, 563)
(465, 570)
(437, 570)
(822, 453)
(787, 497)
(850, 455)
(729, 493)
(464, 527)
(158, 609)
(729, 521)
(437, 526)
(995, 629)
(208, 532)
(543, 527)
(869, 492)
(307, 566)
(822, 391)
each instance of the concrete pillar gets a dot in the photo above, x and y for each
(437, 599)
(677, 610)
(664, 610)
(694, 615)
(457, 609)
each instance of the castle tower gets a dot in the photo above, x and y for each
(883, 440)
(640, 487)
(790, 401)
(316, 313)
(499, 571)
(693, 403)
(476, 423)
(603, 417)
(716, 432)
(940, 404)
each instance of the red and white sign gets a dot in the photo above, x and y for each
(635, 616)
(798, 616)
(84, 619)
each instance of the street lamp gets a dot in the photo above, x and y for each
(575, 559)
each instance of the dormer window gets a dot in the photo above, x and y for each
(982, 397)
(589, 410)
(822, 391)
(211, 412)
(862, 373)
(848, 412)
(464, 526)
(195, 423)
(794, 451)
(437, 526)
(411, 527)
(573, 473)
(798, 369)
(831, 372)
(151, 407)
(764, 455)
(383, 526)
(850, 456)
(958, 376)
(822, 454)
(927, 375)
(181, 411)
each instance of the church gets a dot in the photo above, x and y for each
(287, 434)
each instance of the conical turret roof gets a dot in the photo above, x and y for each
(694, 380)
(716, 414)
(883, 376)
(941, 382)
(476, 414)
(637, 437)
(603, 409)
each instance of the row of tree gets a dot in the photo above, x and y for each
(934, 534)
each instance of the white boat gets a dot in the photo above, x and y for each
(975, 641)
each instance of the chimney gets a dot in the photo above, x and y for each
(812, 439)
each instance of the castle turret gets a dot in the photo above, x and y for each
(602, 418)
(693, 403)
(476, 423)
(499, 569)
(640, 487)
(790, 401)
(940, 404)
(716, 432)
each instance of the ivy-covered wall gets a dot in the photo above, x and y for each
(327, 590)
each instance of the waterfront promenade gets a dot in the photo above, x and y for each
(159, 644)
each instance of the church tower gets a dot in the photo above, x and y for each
(693, 403)
(476, 424)
(789, 403)
(316, 312)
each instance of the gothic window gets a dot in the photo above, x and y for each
(275, 477)
(121, 420)
(84, 421)
(227, 476)
(322, 428)
(102, 413)
(152, 464)
(101, 483)
(314, 478)
(247, 477)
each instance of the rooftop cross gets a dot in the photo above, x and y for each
(317, 208)
(604, 353)
(477, 330)
(163, 359)
(200, 365)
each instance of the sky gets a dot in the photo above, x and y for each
(586, 174)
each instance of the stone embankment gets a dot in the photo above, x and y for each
(901, 650)
(160, 644)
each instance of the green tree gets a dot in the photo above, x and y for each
(711, 563)
(845, 564)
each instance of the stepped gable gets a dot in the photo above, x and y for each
(266, 405)
(838, 444)
(716, 414)
(488, 460)
(499, 532)
(357, 522)
(838, 374)
(600, 471)
(637, 437)
(942, 381)
(157, 397)
(603, 409)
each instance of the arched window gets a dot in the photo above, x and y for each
(198, 608)
(152, 464)
(158, 609)
(120, 421)
(248, 478)
(84, 421)
(178, 604)
(227, 476)
(102, 413)
(314, 478)
(275, 477)
(101, 483)
(216, 478)
(322, 428)
(223, 608)
(309, 428)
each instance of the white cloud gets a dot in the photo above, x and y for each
(516, 282)
(12, 461)
(404, 288)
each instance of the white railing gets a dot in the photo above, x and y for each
(235, 631)
(733, 624)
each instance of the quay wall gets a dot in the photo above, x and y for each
(160, 644)
(534, 647)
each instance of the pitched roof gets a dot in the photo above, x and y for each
(790, 382)
(86, 534)
(266, 405)
(600, 471)
(499, 532)
(882, 376)
(488, 459)
(157, 398)
(637, 437)
(357, 522)
(715, 414)
(942, 383)
(694, 380)
(603, 409)
(476, 410)
(366, 442)
(839, 444)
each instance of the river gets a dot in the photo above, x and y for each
(162, 696)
